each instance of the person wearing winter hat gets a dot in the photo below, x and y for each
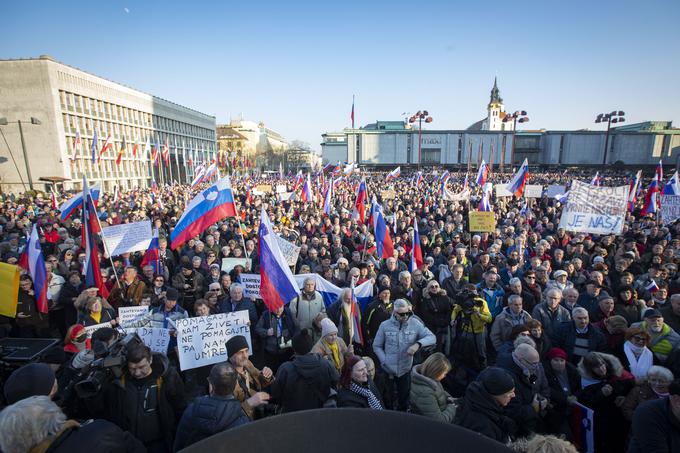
(331, 346)
(251, 381)
(564, 382)
(482, 408)
(30, 380)
(306, 382)
(357, 388)
(76, 339)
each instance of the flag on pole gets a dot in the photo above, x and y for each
(418, 178)
(672, 187)
(327, 202)
(69, 207)
(277, 284)
(147, 148)
(76, 145)
(632, 195)
(359, 211)
(135, 147)
(519, 180)
(482, 174)
(597, 179)
(108, 143)
(416, 250)
(383, 241)
(90, 227)
(152, 255)
(659, 171)
(37, 271)
(166, 153)
(651, 197)
(352, 114)
(394, 174)
(307, 194)
(652, 287)
(53, 198)
(120, 152)
(94, 146)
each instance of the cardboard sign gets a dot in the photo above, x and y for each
(203, 340)
(670, 208)
(555, 189)
(285, 196)
(89, 330)
(155, 338)
(593, 209)
(281, 188)
(289, 250)
(251, 285)
(502, 191)
(388, 194)
(229, 263)
(127, 237)
(130, 315)
(264, 188)
(533, 191)
(482, 221)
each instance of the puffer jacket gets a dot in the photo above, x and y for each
(662, 344)
(429, 398)
(206, 416)
(394, 338)
(480, 412)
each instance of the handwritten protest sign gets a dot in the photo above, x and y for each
(129, 315)
(264, 188)
(127, 237)
(229, 263)
(155, 338)
(533, 191)
(251, 285)
(670, 208)
(89, 330)
(502, 191)
(555, 189)
(281, 188)
(285, 196)
(388, 194)
(202, 340)
(289, 250)
(482, 221)
(593, 209)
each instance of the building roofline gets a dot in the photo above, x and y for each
(53, 60)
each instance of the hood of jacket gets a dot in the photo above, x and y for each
(215, 413)
(613, 366)
(307, 365)
(420, 380)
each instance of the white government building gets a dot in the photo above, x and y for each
(494, 140)
(55, 103)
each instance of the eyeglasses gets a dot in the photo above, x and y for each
(405, 314)
(531, 277)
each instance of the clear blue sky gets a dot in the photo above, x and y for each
(295, 65)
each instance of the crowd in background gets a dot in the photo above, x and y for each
(502, 332)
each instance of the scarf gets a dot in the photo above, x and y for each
(97, 316)
(335, 353)
(373, 401)
(640, 359)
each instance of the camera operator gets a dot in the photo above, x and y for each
(468, 334)
(147, 400)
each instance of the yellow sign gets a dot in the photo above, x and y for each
(482, 221)
(264, 188)
(388, 194)
(9, 289)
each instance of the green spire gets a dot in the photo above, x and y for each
(495, 95)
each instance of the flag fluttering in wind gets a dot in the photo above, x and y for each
(359, 211)
(416, 249)
(394, 174)
(519, 180)
(383, 240)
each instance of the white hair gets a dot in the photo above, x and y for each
(661, 373)
(514, 281)
(578, 310)
(26, 423)
(235, 286)
(401, 303)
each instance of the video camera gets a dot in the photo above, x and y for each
(467, 299)
(108, 364)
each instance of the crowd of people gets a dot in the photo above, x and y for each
(505, 333)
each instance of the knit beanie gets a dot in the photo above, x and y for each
(496, 381)
(235, 344)
(556, 353)
(327, 327)
(34, 379)
(302, 342)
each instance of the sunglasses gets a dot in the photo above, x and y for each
(408, 314)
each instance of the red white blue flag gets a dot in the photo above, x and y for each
(90, 228)
(359, 211)
(519, 180)
(482, 174)
(37, 271)
(416, 250)
(383, 241)
(69, 207)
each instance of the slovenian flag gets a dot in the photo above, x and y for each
(582, 426)
(416, 250)
(69, 207)
(307, 195)
(394, 174)
(359, 211)
(672, 187)
(327, 200)
(519, 180)
(383, 241)
(652, 287)
(37, 271)
(482, 174)
(651, 197)
(152, 255)
(597, 179)
(277, 284)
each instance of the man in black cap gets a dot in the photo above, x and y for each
(482, 408)
(307, 380)
(33, 379)
(189, 283)
(656, 424)
(250, 380)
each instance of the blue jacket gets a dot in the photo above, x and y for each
(206, 416)
(393, 339)
(493, 298)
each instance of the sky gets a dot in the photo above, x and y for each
(295, 65)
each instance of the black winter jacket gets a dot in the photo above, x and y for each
(206, 416)
(304, 383)
(481, 413)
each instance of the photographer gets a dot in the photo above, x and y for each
(468, 334)
(147, 400)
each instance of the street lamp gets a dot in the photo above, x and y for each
(420, 116)
(609, 118)
(519, 116)
(35, 121)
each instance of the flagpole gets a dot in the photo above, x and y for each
(106, 250)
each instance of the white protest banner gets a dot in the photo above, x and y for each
(281, 188)
(502, 191)
(555, 189)
(203, 340)
(593, 209)
(128, 315)
(229, 263)
(251, 285)
(155, 338)
(127, 237)
(289, 250)
(285, 196)
(670, 208)
(89, 330)
(460, 196)
(533, 191)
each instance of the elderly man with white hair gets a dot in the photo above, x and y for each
(235, 301)
(396, 342)
(578, 338)
(38, 424)
(551, 313)
(308, 308)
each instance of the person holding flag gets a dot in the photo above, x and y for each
(651, 197)
(519, 180)
(383, 241)
(416, 249)
(482, 174)
(359, 211)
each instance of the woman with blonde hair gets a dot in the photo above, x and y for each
(428, 396)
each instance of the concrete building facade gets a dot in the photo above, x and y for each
(261, 146)
(70, 103)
